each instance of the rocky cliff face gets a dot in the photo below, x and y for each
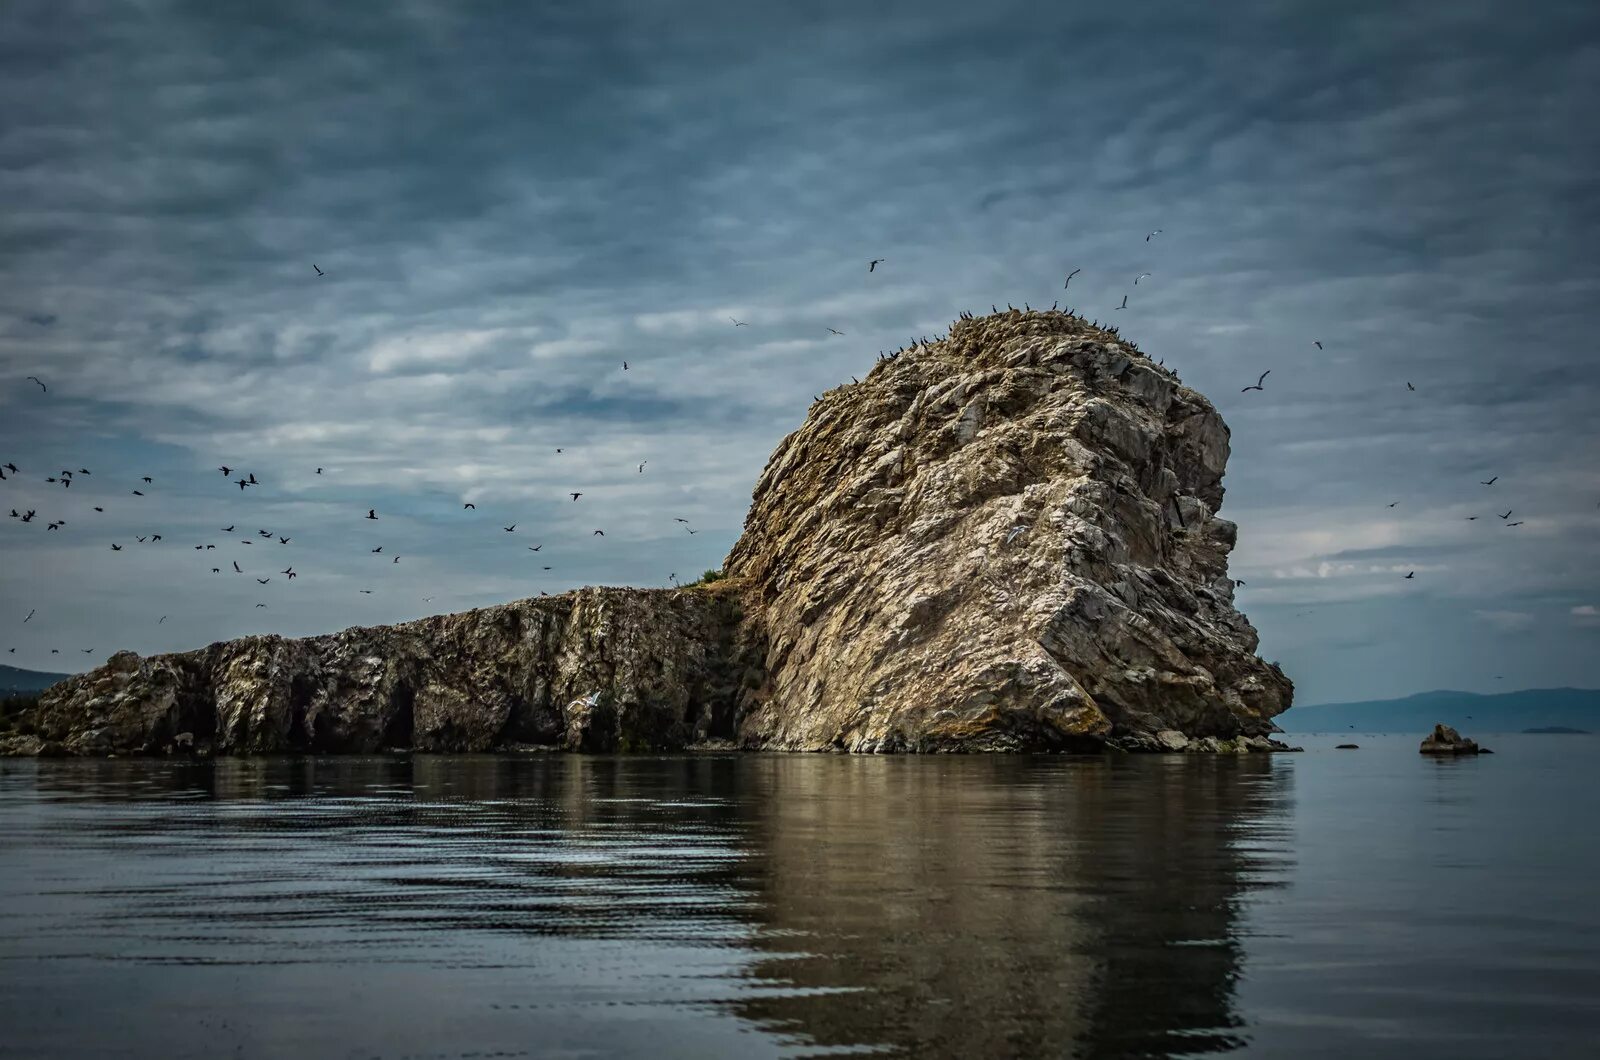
(1003, 540)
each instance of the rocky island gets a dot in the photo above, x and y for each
(1005, 539)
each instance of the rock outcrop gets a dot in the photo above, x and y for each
(1006, 539)
(1444, 740)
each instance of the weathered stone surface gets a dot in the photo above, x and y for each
(663, 666)
(1444, 740)
(1003, 540)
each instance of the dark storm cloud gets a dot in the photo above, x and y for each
(508, 200)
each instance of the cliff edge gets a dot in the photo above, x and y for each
(1003, 540)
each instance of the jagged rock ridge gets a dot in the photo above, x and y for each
(1003, 540)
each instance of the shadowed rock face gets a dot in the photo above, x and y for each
(1004, 540)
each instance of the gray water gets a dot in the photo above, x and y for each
(1367, 903)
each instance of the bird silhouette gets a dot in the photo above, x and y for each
(252, 479)
(575, 496)
(1124, 304)
(283, 540)
(624, 366)
(1139, 277)
(534, 548)
(227, 529)
(510, 529)
(599, 533)
(377, 550)
(372, 513)
(1517, 523)
(319, 471)
(874, 263)
(1258, 385)
(136, 493)
(642, 463)
(464, 507)
(397, 559)
(236, 569)
(147, 478)
(1492, 481)
(261, 605)
(98, 509)
(116, 548)
(289, 572)
(314, 266)
(1317, 344)
(692, 531)
(1413, 574)
(1508, 513)
(1393, 503)
(1070, 275)
(839, 333)
(41, 385)
(30, 614)
(263, 581)
(1409, 386)
(1155, 233)
(366, 591)
(739, 323)
(226, 470)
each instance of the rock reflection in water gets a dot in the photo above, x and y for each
(682, 906)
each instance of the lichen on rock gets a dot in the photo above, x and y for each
(1003, 540)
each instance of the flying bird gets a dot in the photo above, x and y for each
(1517, 523)
(147, 478)
(314, 266)
(41, 387)
(464, 507)
(283, 540)
(1470, 518)
(289, 572)
(874, 263)
(642, 463)
(1508, 513)
(1258, 385)
(377, 550)
(575, 496)
(136, 493)
(1492, 481)
(739, 323)
(319, 471)
(252, 478)
(839, 333)
(1409, 386)
(227, 529)
(236, 569)
(1139, 277)
(397, 559)
(1413, 574)
(116, 548)
(226, 470)
(372, 513)
(510, 529)
(1317, 344)
(261, 605)
(1155, 233)
(263, 581)
(367, 591)
(534, 548)
(1393, 503)
(1124, 304)
(599, 533)
(30, 614)
(692, 531)
(1070, 275)
(624, 366)
(160, 620)
(242, 484)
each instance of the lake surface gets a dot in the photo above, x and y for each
(1367, 903)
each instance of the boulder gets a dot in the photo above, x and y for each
(1446, 741)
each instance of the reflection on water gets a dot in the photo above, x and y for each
(706, 906)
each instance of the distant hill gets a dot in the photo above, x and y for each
(1546, 708)
(13, 680)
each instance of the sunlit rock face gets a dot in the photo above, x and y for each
(1002, 540)
(1006, 539)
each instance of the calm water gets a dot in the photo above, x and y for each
(1370, 903)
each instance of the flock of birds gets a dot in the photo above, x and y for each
(247, 480)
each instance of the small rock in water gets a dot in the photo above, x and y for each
(1446, 741)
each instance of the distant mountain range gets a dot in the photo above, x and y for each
(1545, 708)
(14, 681)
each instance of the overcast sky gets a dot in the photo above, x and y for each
(509, 200)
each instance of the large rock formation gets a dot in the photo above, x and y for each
(1003, 540)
